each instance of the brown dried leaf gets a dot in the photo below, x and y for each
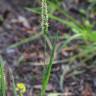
(67, 92)
(87, 90)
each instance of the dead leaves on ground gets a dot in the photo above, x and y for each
(87, 90)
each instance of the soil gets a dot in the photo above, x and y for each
(19, 24)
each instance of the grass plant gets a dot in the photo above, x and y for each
(3, 86)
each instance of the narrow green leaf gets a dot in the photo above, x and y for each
(3, 86)
(47, 73)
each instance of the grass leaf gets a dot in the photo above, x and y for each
(3, 86)
(47, 72)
